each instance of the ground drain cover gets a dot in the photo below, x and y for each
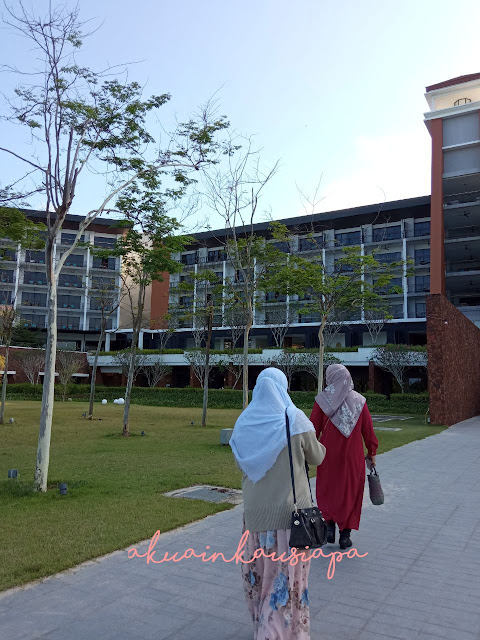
(376, 418)
(208, 493)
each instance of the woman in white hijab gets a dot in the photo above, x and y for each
(276, 593)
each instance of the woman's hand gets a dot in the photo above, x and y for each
(372, 459)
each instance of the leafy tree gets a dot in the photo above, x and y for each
(146, 251)
(335, 288)
(82, 121)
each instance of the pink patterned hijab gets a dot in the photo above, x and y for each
(339, 401)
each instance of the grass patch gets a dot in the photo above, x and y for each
(114, 484)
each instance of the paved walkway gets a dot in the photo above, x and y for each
(421, 578)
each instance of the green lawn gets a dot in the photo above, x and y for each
(114, 484)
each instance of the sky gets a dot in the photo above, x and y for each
(333, 90)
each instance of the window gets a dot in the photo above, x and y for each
(420, 310)
(389, 289)
(67, 280)
(396, 310)
(216, 255)
(186, 301)
(30, 299)
(68, 238)
(308, 317)
(35, 256)
(33, 320)
(103, 263)
(5, 297)
(69, 302)
(104, 243)
(422, 256)
(284, 247)
(274, 296)
(7, 254)
(342, 267)
(309, 244)
(348, 239)
(74, 260)
(381, 234)
(34, 277)
(95, 324)
(219, 275)
(422, 284)
(388, 258)
(68, 322)
(421, 229)
(103, 283)
(188, 258)
(6, 276)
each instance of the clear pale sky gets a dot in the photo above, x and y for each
(332, 89)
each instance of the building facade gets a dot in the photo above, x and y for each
(454, 125)
(23, 281)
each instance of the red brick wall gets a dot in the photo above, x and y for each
(453, 363)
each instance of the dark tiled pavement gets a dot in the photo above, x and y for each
(421, 578)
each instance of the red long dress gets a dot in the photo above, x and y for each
(341, 476)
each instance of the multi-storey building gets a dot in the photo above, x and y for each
(454, 125)
(437, 237)
(395, 231)
(23, 281)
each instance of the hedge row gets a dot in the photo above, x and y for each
(414, 403)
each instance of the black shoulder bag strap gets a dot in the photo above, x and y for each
(287, 421)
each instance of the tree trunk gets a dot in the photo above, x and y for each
(45, 431)
(207, 368)
(133, 351)
(94, 374)
(4, 383)
(246, 335)
(321, 356)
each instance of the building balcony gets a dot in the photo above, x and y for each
(460, 267)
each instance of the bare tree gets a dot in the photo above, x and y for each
(375, 321)
(280, 320)
(398, 358)
(156, 372)
(105, 298)
(8, 320)
(233, 363)
(128, 362)
(31, 362)
(68, 363)
(233, 192)
(81, 121)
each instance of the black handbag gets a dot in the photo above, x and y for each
(375, 488)
(308, 529)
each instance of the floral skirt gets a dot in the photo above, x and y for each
(276, 592)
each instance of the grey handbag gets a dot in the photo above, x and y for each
(376, 491)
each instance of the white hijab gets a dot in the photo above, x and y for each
(260, 432)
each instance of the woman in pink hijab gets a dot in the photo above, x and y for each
(343, 423)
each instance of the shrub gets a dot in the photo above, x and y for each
(406, 403)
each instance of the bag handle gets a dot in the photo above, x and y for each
(287, 423)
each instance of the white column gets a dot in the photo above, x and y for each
(362, 253)
(404, 277)
(107, 341)
(223, 293)
(17, 277)
(254, 315)
(140, 339)
(87, 290)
